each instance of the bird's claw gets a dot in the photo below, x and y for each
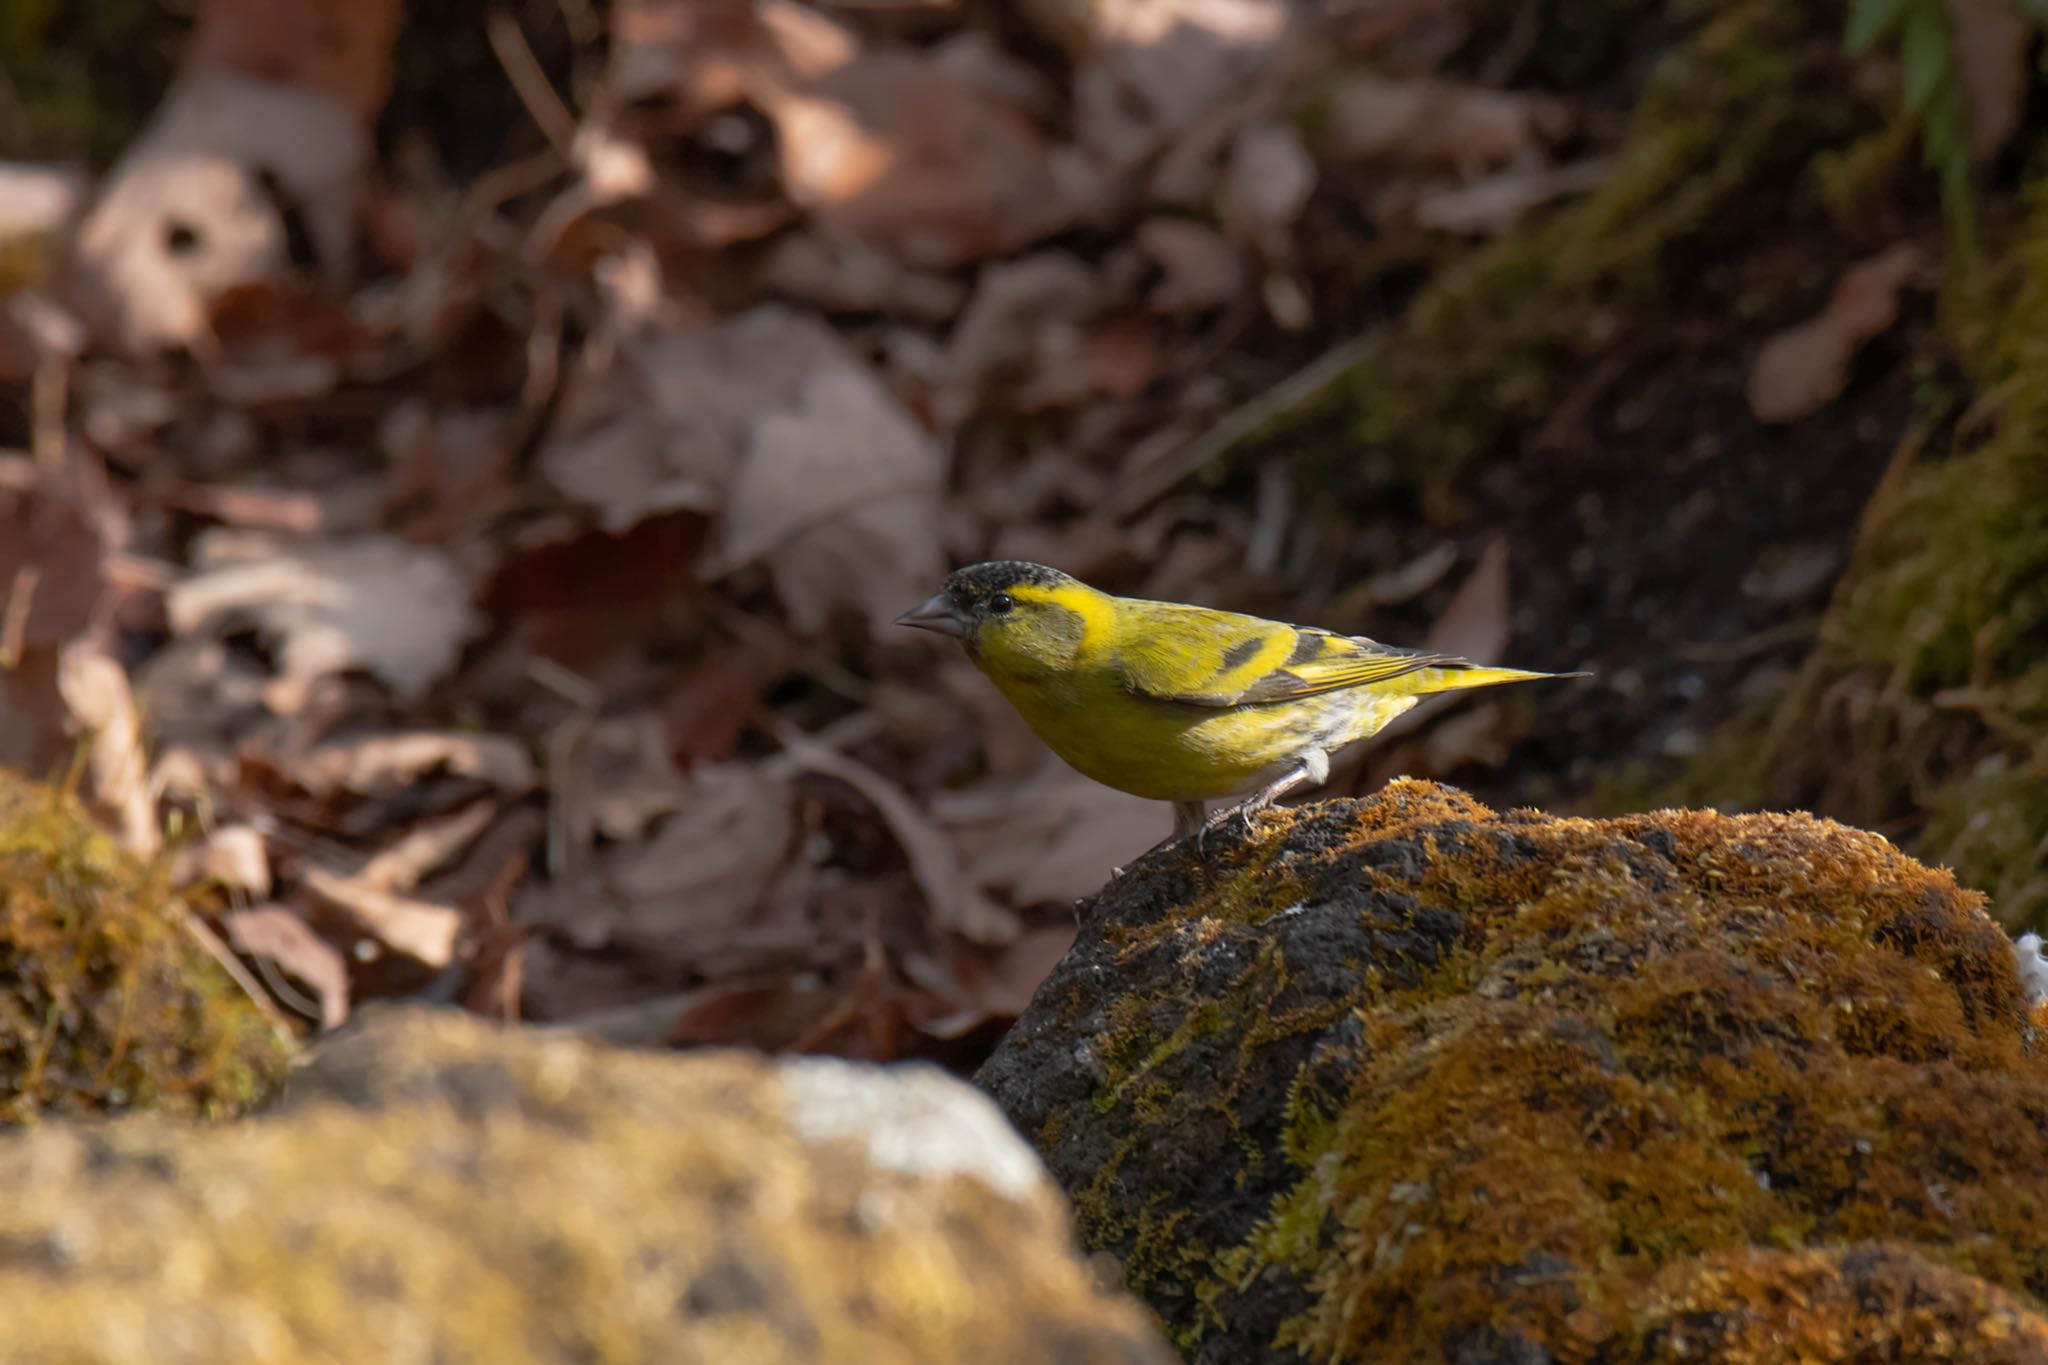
(1243, 813)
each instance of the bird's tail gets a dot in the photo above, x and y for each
(1457, 679)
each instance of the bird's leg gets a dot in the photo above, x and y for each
(1187, 820)
(1312, 770)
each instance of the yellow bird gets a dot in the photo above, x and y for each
(1181, 703)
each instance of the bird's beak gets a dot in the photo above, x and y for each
(937, 614)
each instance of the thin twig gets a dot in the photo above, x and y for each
(530, 82)
(232, 965)
(21, 596)
(1240, 423)
(502, 184)
(49, 396)
(1760, 642)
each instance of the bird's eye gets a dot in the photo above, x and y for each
(1001, 604)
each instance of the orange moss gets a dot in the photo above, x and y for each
(1482, 1083)
(1871, 1302)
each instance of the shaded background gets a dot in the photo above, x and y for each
(458, 463)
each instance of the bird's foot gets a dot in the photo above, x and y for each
(1243, 813)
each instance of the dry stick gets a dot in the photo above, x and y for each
(501, 184)
(568, 814)
(49, 397)
(1240, 423)
(21, 596)
(531, 83)
(232, 965)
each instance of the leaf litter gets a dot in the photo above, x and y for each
(487, 583)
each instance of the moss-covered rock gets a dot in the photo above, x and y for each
(1835, 1307)
(434, 1188)
(106, 1002)
(1403, 1079)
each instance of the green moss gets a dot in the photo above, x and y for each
(1927, 702)
(1751, 98)
(1484, 1085)
(84, 77)
(105, 1003)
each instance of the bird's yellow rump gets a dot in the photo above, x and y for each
(1180, 703)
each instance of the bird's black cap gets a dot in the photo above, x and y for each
(978, 581)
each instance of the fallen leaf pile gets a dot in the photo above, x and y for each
(486, 586)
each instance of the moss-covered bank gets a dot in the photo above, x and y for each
(106, 1003)
(1731, 140)
(1926, 703)
(1405, 1080)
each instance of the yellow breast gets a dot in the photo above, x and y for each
(1171, 751)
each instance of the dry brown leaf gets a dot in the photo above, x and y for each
(839, 497)
(1150, 69)
(341, 50)
(660, 419)
(198, 206)
(233, 856)
(717, 853)
(95, 689)
(35, 202)
(706, 870)
(706, 712)
(1475, 624)
(418, 928)
(969, 986)
(1199, 270)
(1805, 367)
(879, 142)
(769, 1015)
(844, 275)
(1438, 125)
(276, 933)
(977, 59)
(955, 899)
(1991, 39)
(399, 612)
(52, 574)
(892, 150)
(378, 765)
(1025, 317)
(426, 848)
(633, 782)
(196, 691)
(705, 55)
(1049, 840)
(1002, 984)
(1266, 186)
(1114, 357)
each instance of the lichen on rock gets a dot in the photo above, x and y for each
(106, 1004)
(435, 1188)
(1403, 1079)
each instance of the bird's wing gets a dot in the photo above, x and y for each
(1200, 657)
